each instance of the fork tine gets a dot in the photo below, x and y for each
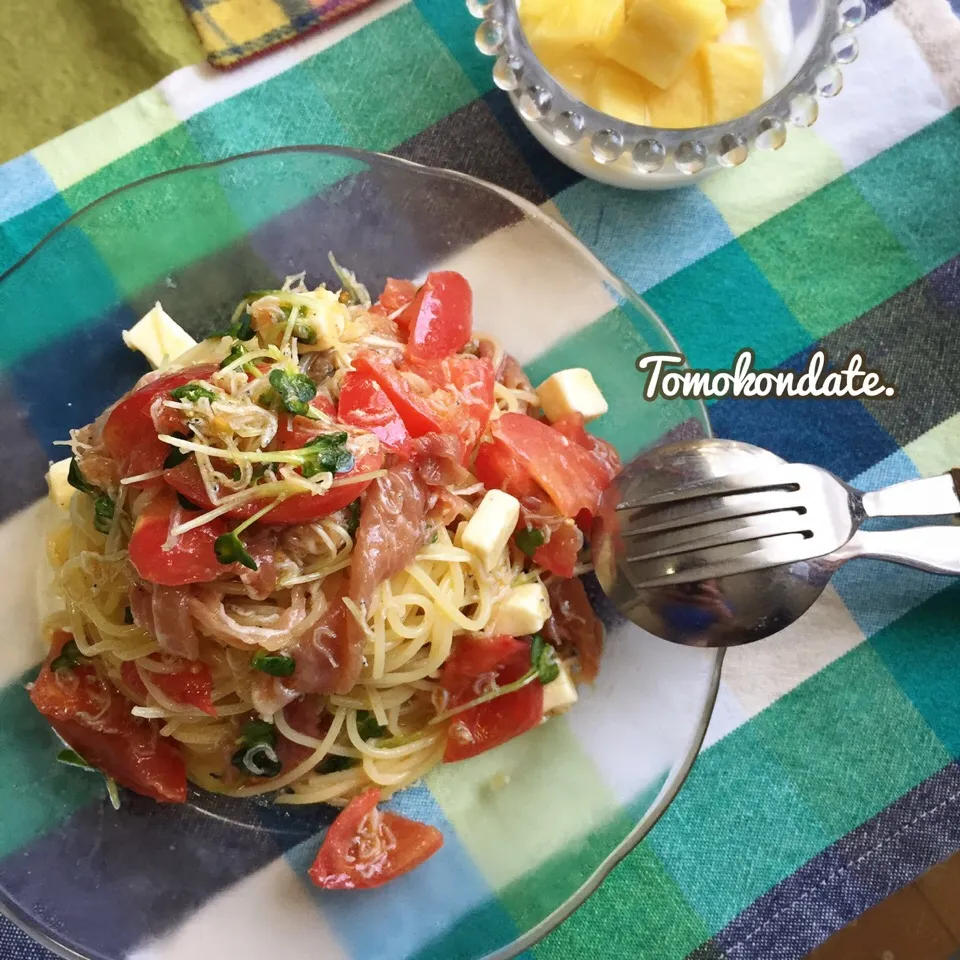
(702, 536)
(673, 515)
(778, 476)
(722, 561)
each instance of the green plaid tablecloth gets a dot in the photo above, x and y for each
(829, 776)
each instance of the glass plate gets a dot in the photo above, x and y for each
(532, 827)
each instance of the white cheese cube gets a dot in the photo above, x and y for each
(489, 529)
(559, 694)
(158, 337)
(60, 490)
(571, 391)
(524, 611)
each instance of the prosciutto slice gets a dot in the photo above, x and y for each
(164, 612)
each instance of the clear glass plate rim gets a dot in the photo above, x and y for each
(679, 775)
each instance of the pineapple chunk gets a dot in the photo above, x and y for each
(661, 36)
(721, 24)
(743, 4)
(684, 104)
(533, 10)
(620, 93)
(572, 67)
(734, 80)
(591, 22)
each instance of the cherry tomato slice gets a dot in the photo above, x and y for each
(190, 560)
(365, 404)
(489, 724)
(473, 657)
(463, 396)
(397, 294)
(190, 685)
(559, 554)
(573, 478)
(417, 414)
(93, 717)
(457, 398)
(293, 430)
(129, 433)
(498, 468)
(300, 508)
(440, 318)
(573, 427)
(356, 853)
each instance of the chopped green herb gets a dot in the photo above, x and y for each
(176, 456)
(305, 332)
(77, 480)
(243, 328)
(529, 539)
(257, 731)
(543, 661)
(367, 725)
(236, 353)
(276, 664)
(127, 615)
(229, 548)
(295, 390)
(435, 537)
(352, 520)
(103, 511)
(70, 657)
(188, 504)
(543, 667)
(237, 473)
(327, 454)
(256, 755)
(334, 764)
(260, 760)
(192, 392)
(353, 292)
(73, 759)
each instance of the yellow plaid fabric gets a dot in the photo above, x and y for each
(234, 30)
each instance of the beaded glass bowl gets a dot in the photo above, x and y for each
(815, 40)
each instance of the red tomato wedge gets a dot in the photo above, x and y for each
(489, 724)
(559, 553)
(300, 508)
(365, 404)
(190, 560)
(419, 417)
(129, 433)
(573, 478)
(454, 396)
(497, 467)
(191, 684)
(397, 294)
(440, 318)
(366, 847)
(93, 717)
(291, 427)
(573, 427)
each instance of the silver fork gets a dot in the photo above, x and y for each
(775, 515)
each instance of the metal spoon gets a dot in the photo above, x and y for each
(743, 607)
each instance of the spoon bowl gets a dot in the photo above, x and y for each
(720, 612)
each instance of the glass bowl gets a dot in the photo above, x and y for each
(807, 41)
(530, 828)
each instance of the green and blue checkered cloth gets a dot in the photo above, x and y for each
(829, 777)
